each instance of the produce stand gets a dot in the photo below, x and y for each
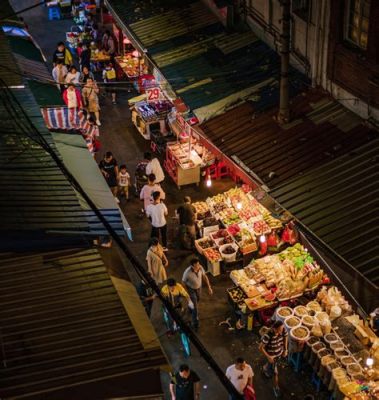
(147, 116)
(183, 169)
(133, 67)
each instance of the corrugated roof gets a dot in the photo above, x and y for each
(320, 131)
(339, 203)
(8, 63)
(208, 67)
(65, 332)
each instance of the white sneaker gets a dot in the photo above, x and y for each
(117, 200)
(98, 123)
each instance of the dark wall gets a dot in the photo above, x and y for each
(354, 69)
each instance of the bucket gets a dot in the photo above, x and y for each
(229, 257)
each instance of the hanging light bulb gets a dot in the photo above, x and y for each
(239, 206)
(262, 238)
(209, 181)
(370, 362)
(126, 41)
(135, 53)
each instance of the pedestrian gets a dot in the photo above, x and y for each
(72, 97)
(72, 76)
(147, 295)
(85, 74)
(123, 180)
(187, 218)
(185, 384)
(108, 44)
(59, 74)
(157, 212)
(91, 99)
(193, 278)
(156, 261)
(62, 53)
(274, 344)
(148, 190)
(241, 375)
(109, 77)
(109, 168)
(154, 167)
(84, 57)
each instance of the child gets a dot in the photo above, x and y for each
(109, 77)
(123, 181)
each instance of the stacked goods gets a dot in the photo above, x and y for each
(332, 297)
(212, 255)
(202, 209)
(202, 244)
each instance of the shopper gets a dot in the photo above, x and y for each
(154, 167)
(85, 57)
(185, 384)
(274, 344)
(156, 261)
(109, 77)
(72, 97)
(157, 212)
(148, 189)
(241, 375)
(109, 168)
(187, 218)
(193, 278)
(147, 295)
(72, 76)
(174, 292)
(59, 74)
(62, 53)
(91, 99)
(123, 180)
(85, 74)
(108, 44)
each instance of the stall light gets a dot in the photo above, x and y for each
(126, 41)
(209, 181)
(370, 362)
(135, 53)
(262, 238)
(239, 205)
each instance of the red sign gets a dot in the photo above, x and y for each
(153, 94)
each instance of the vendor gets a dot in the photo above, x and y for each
(187, 217)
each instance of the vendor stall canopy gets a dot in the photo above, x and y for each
(209, 68)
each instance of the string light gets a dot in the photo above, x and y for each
(239, 206)
(370, 362)
(126, 41)
(262, 238)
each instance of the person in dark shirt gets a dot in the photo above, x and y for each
(185, 384)
(147, 296)
(85, 57)
(63, 54)
(109, 168)
(187, 217)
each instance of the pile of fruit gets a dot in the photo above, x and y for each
(213, 255)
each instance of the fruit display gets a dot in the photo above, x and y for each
(202, 209)
(228, 250)
(236, 294)
(272, 222)
(261, 228)
(212, 255)
(229, 216)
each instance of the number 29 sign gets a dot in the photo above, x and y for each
(154, 94)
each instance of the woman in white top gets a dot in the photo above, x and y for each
(72, 76)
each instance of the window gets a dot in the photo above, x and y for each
(301, 8)
(358, 21)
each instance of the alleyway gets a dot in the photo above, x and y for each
(119, 136)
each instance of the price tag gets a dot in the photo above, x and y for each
(154, 94)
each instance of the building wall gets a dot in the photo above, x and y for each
(319, 50)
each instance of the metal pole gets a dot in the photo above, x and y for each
(284, 109)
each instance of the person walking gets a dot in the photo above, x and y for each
(72, 97)
(91, 99)
(62, 53)
(274, 344)
(123, 180)
(193, 278)
(59, 74)
(154, 167)
(157, 212)
(241, 375)
(148, 190)
(187, 218)
(109, 168)
(85, 74)
(72, 76)
(85, 57)
(108, 44)
(156, 261)
(185, 384)
(147, 295)
(109, 77)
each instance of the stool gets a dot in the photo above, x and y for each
(222, 170)
(296, 360)
(212, 171)
(54, 13)
(316, 381)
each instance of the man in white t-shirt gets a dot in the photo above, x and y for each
(157, 213)
(154, 167)
(240, 375)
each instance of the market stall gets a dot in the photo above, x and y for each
(132, 64)
(147, 116)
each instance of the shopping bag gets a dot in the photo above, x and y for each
(249, 393)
